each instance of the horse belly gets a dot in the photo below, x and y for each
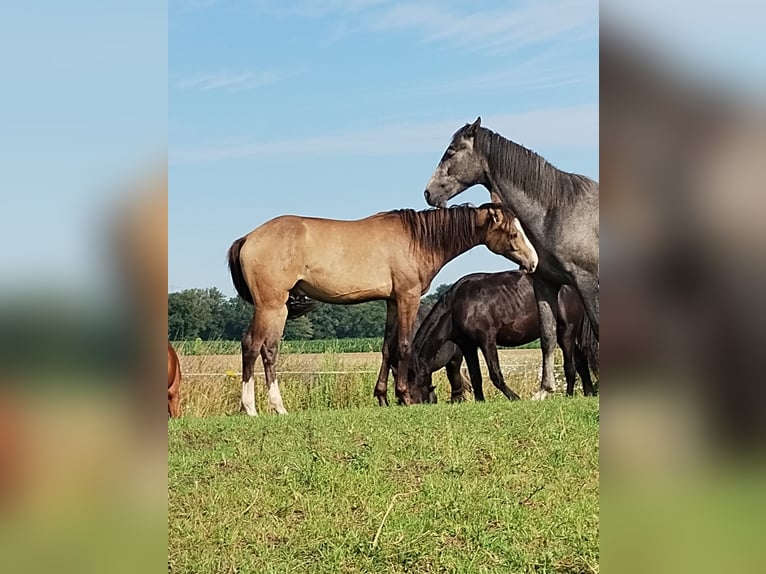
(350, 286)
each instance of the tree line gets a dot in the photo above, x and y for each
(209, 315)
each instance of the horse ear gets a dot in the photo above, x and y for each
(494, 214)
(471, 131)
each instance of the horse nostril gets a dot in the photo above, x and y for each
(427, 195)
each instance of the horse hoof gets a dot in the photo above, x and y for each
(540, 395)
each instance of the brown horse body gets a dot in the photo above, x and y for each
(174, 382)
(392, 256)
(484, 310)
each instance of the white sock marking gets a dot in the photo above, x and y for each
(275, 399)
(248, 397)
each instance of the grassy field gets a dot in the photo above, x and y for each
(325, 381)
(493, 487)
(288, 347)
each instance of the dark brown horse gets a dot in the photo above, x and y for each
(174, 383)
(448, 356)
(483, 310)
(392, 256)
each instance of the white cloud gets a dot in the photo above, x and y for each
(454, 24)
(575, 127)
(510, 27)
(230, 80)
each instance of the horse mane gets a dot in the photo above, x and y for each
(442, 231)
(529, 170)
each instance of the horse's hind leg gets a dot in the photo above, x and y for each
(581, 364)
(567, 344)
(489, 348)
(251, 347)
(274, 325)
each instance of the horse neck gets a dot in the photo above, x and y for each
(451, 249)
(513, 185)
(432, 335)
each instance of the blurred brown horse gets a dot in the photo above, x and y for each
(392, 256)
(174, 383)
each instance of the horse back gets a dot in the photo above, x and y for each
(499, 303)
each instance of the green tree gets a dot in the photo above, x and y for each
(299, 329)
(188, 314)
(362, 320)
(432, 298)
(237, 315)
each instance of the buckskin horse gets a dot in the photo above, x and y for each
(392, 256)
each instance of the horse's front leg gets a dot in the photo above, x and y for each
(381, 387)
(457, 382)
(408, 309)
(546, 295)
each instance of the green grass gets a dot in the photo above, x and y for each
(219, 347)
(362, 345)
(492, 487)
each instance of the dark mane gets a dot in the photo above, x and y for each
(528, 170)
(441, 231)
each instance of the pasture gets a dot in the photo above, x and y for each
(341, 485)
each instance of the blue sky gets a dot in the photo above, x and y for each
(342, 108)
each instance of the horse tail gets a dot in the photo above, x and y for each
(235, 268)
(588, 342)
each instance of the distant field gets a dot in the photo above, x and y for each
(287, 347)
(493, 487)
(321, 381)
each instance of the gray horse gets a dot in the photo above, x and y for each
(559, 212)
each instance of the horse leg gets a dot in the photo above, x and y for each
(381, 387)
(407, 306)
(174, 409)
(457, 382)
(587, 286)
(581, 364)
(546, 295)
(251, 347)
(567, 343)
(489, 348)
(269, 352)
(474, 371)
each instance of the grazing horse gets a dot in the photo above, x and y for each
(447, 356)
(392, 256)
(559, 212)
(174, 382)
(483, 310)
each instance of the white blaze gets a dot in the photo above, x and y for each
(534, 259)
